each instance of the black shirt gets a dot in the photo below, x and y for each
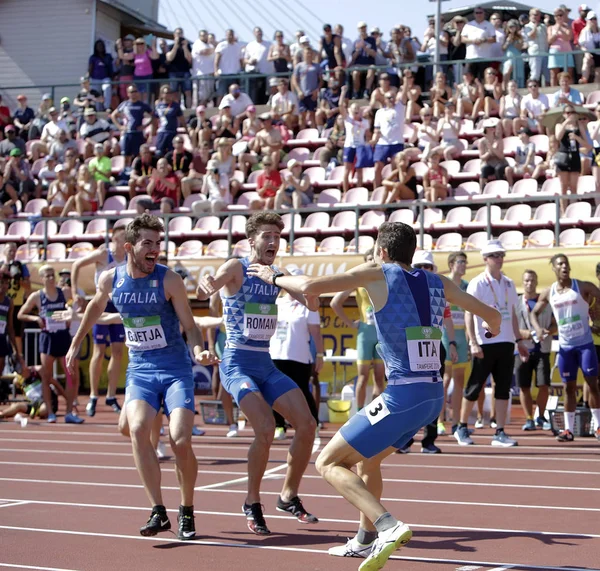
(143, 169)
(180, 161)
(180, 64)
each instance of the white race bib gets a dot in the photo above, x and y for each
(144, 333)
(377, 410)
(2, 324)
(423, 348)
(570, 327)
(33, 392)
(370, 315)
(458, 317)
(52, 326)
(260, 321)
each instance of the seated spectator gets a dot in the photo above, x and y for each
(11, 142)
(86, 197)
(414, 95)
(225, 162)
(100, 169)
(47, 174)
(425, 136)
(61, 145)
(5, 118)
(66, 114)
(141, 169)
(17, 183)
(163, 190)
(428, 47)
(23, 117)
(448, 131)
(88, 97)
(268, 183)
(200, 128)
(101, 72)
(238, 103)
(225, 124)
(401, 184)
(71, 165)
(510, 108)
(201, 158)
(491, 153)
(440, 94)
(267, 143)
(279, 54)
(58, 193)
(547, 168)
(93, 131)
(364, 54)
(38, 123)
(524, 158)
(589, 42)
(333, 153)
(435, 179)
(251, 125)
(566, 94)
(50, 131)
(296, 190)
(377, 100)
(170, 117)
(179, 64)
(329, 106)
(181, 162)
(492, 92)
(533, 107)
(218, 197)
(469, 97)
(284, 105)
(306, 82)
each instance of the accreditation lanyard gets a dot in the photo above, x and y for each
(496, 302)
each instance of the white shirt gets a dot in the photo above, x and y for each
(202, 65)
(539, 43)
(347, 48)
(589, 39)
(283, 103)
(502, 296)
(259, 52)
(474, 31)
(291, 341)
(238, 105)
(50, 130)
(535, 106)
(496, 49)
(355, 132)
(231, 55)
(390, 122)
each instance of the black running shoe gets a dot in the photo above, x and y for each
(91, 407)
(295, 507)
(256, 519)
(159, 521)
(187, 528)
(112, 402)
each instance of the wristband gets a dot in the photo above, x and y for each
(452, 343)
(275, 276)
(320, 354)
(518, 340)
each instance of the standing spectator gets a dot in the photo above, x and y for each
(170, 117)
(180, 162)
(347, 44)
(560, 37)
(299, 55)
(279, 54)
(163, 190)
(365, 50)
(87, 96)
(491, 153)
(229, 62)
(383, 55)
(496, 49)
(513, 66)
(296, 46)
(23, 117)
(307, 82)
(576, 27)
(100, 169)
(330, 48)
(179, 63)
(203, 67)
(536, 36)
(566, 94)
(478, 35)
(331, 99)
(143, 71)
(141, 169)
(256, 60)
(11, 142)
(539, 353)
(238, 102)
(268, 183)
(4, 115)
(125, 63)
(494, 355)
(457, 50)
(284, 105)
(132, 111)
(589, 42)
(101, 72)
(428, 47)
(160, 68)
(533, 107)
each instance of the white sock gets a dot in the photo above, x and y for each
(569, 420)
(596, 416)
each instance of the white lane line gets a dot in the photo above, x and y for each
(21, 566)
(13, 504)
(276, 548)
(327, 520)
(306, 495)
(112, 454)
(272, 472)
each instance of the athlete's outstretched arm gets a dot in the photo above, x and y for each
(457, 296)
(337, 304)
(211, 284)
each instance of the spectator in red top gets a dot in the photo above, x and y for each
(267, 185)
(4, 115)
(579, 24)
(164, 190)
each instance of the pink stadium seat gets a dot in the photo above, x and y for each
(372, 220)
(35, 205)
(345, 220)
(358, 195)
(586, 184)
(37, 166)
(306, 245)
(365, 243)
(333, 245)
(427, 242)
(306, 135)
(476, 241)
(180, 226)
(316, 175)
(593, 220)
(572, 238)
(253, 176)
(544, 215)
(2, 229)
(301, 154)
(245, 199)
(541, 144)
(283, 245)
(378, 195)
(239, 176)
(40, 228)
(19, 230)
(594, 239)
(315, 222)
(189, 200)
(368, 175)
(576, 213)
(481, 217)
(497, 188)
(336, 176)
(512, 239)
(470, 171)
(329, 196)
(387, 170)
(452, 241)
(404, 215)
(420, 169)
(190, 249)
(56, 251)
(80, 250)
(283, 173)
(27, 253)
(96, 228)
(217, 249)
(592, 99)
(168, 249)
(241, 248)
(237, 222)
(287, 222)
(114, 205)
(515, 216)
(455, 218)
(430, 217)
(540, 239)
(510, 145)
(452, 167)
(467, 191)
(316, 158)
(551, 186)
(69, 230)
(117, 164)
(207, 225)
(132, 206)
(525, 187)
(30, 144)
(122, 222)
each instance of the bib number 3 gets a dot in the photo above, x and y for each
(377, 410)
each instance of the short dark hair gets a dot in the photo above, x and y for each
(598, 268)
(399, 240)
(455, 255)
(556, 256)
(143, 222)
(368, 253)
(261, 219)
(532, 272)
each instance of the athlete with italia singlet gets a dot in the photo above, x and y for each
(570, 301)
(104, 258)
(249, 375)
(152, 300)
(408, 305)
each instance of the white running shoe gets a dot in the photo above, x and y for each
(233, 431)
(52, 418)
(21, 419)
(383, 547)
(279, 433)
(479, 423)
(198, 431)
(161, 450)
(351, 549)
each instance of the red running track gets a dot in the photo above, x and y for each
(71, 499)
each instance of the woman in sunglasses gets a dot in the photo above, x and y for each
(560, 37)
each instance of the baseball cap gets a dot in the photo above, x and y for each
(304, 40)
(89, 111)
(98, 147)
(564, 8)
(590, 15)
(129, 37)
(16, 152)
(9, 128)
(224, 104)
(422, 258)
(251, 108)
(65, 100)
(59, 168)
(490, 123)
(273, 82)
(584, 8)
(375, 30)
(52, 110)
(292, 163)
(493, 247)
(21, 97)
(264, 116)
(361, 24)
(64, 271)
(200, 108)
(46, 97)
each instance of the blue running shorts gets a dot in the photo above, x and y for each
(584, 358)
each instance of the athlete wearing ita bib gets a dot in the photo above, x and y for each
(152, 301)
(409, 306)
(570, 301)
(248, 373)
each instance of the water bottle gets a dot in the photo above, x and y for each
(534, 336)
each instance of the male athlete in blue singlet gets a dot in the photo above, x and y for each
(570, 300)
(249, 375)
(409, 306)
(153, 303)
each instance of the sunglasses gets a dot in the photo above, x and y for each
(133, 91)
(532, 86)
(496, 256)
(569, 112)
(425, 267)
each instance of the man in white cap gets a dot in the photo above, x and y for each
(492, 356)
(577, 26)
